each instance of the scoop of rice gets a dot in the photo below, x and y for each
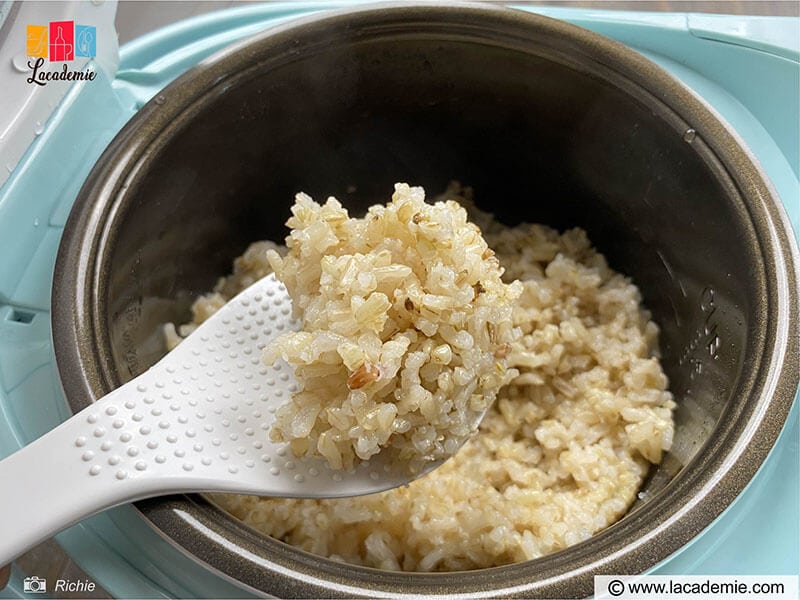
(406, 329)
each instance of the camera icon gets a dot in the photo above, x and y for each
(34, 585)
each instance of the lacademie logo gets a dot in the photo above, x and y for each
(61, 41)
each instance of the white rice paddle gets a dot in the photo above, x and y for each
(197, 421)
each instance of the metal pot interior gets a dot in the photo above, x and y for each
(546, 122)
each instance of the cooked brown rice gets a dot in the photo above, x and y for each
(561, 453)
(406, 330)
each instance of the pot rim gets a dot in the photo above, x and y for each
(255, 562)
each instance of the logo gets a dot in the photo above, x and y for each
(60, 41)
(34, 585)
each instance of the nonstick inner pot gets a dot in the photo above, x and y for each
(539, 141)
(546, 122)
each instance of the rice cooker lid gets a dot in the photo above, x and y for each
(28, 40)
